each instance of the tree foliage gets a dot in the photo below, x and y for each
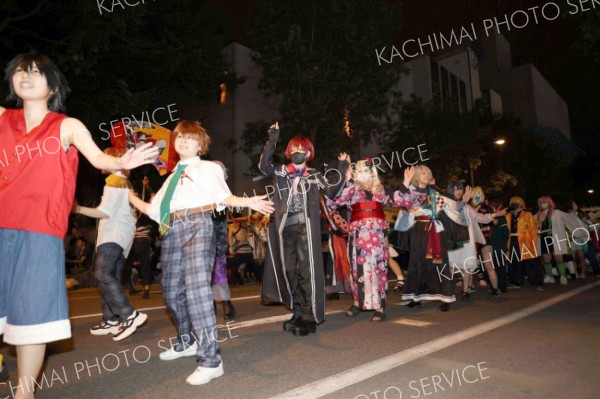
(457, 143)
(318, 59)
(120, 63)
(449, 137)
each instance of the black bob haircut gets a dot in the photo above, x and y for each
(57, 83)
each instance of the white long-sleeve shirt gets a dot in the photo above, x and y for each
(203, 183)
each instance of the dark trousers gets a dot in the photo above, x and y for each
(234, 262)
(591, 255)
(140, 252)
(107, 271)
(500, 267)
(297, 269)
(517, 268)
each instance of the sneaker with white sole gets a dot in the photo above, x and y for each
(128, 327)
(105, 327)
(203, 375)
(563, 280)
(548, 279)
(172, 354)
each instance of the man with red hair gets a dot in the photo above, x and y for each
(294, 266)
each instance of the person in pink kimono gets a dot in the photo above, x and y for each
(367, 241)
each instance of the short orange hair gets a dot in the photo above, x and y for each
(194, 129)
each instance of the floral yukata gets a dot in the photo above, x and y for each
(367, 245)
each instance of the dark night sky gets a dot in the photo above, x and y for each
(549, 45)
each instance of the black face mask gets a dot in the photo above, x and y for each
(298, 158)
(514, 207)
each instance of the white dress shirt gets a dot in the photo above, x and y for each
(202, 183)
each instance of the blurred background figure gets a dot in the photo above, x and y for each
(145, 181)
(220, 285)
(3, 372)
(242, 254)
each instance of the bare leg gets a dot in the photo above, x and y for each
(396, 269)
(466, 282)
(398, 272)
(30, 359)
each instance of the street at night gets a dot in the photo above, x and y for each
(527, 344)
(354, 199)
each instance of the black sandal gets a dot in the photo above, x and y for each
(399, 286)
(444, 307)
(353, 311)
(378, 316)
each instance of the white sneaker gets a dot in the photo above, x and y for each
(105, 327)
(202, 375)
(172, 354)
(563, 280)
(128, 327)
(548, 280)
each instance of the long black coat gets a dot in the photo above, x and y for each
(275, 285)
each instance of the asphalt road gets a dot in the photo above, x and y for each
(525, 344)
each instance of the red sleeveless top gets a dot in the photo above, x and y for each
(37, 176)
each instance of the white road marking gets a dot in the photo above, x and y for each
(85, 316)
(363, 372)
(235, 325)
(413, 323)
(242, 298)
(98, 296)
(272, 319)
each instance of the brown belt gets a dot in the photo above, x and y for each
(190, 211)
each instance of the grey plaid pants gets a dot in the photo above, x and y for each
(187, 257)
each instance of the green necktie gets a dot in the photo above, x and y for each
(165, 205)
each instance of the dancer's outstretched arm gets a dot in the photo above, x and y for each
(265, 164)
(73, 132)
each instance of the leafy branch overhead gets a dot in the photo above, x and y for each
(121, 62)
(317, 58)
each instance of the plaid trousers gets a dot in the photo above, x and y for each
(187, 258)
